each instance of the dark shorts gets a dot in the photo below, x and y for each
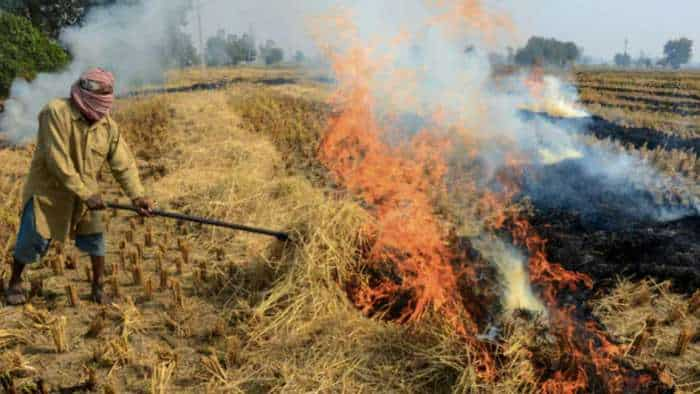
(31, 246)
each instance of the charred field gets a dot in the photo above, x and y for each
(615, 265)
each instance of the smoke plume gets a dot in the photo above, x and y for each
(127, 39)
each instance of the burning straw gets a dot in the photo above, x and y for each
(411, 270)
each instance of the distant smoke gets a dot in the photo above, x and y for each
(127, 39)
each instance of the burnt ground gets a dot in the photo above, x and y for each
(609, 229)
(637, 136)
(612, 226)
(668, 250)
(216, 85)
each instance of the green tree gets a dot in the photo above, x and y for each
(271, 53)
(25, 51)
(539, 50)
(223, 50)
(179, 51)
(678, 52)
(178, 48)
(241, 49)
(299, 57)
(217, 53)
(50, 16)
(622, 60)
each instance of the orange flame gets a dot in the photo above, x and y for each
(410, 249)
(399, 185)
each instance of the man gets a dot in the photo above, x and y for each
(61, 198)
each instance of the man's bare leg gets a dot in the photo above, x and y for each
(98, 269)
(15, 294)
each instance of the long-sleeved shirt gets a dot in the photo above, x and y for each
(70, 153)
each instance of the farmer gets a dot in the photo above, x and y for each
(61, 197)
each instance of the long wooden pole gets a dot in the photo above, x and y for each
(210, 222)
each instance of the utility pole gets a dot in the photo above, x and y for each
(202, 49)
(626, 46)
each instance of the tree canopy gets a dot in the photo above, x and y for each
(623, 60)
(25, 51)
(50, 16)
(271, 53)
(678, 52)
(230, 49)
(550, 51)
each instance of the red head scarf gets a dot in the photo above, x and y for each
(94, 106)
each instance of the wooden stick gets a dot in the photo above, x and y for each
(211, 222)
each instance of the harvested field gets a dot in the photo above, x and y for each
(666, 102)
(220, 311)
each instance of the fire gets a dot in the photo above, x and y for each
(412, 265)
(547, 96)
(398, 184)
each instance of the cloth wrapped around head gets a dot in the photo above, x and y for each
(93, 93)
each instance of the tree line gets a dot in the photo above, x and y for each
(232, 49)
(676, 54)
(29, 31)
(552, 52)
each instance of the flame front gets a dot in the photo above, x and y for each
(399, 185)
(413, 266)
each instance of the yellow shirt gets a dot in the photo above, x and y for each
(63, 175)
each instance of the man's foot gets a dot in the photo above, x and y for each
(98, 296)
(15, 296)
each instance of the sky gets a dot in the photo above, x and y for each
(599, 26)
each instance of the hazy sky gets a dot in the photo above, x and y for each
(599, 26)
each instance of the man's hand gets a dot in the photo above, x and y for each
(95, 203)
(144, 206)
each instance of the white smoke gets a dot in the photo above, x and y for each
(127, 39)
(516, 292)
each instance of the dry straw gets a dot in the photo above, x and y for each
(58, 265)
(73, 298)
(88, 273)
(137, 275)
(116, 289)
(36, 287)
(694, 303)
(163, 279)
(58, 332)
(97, 325)
(72, 261)
(161, 377)
(148, 289)
(148, 237)
(684, 337)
